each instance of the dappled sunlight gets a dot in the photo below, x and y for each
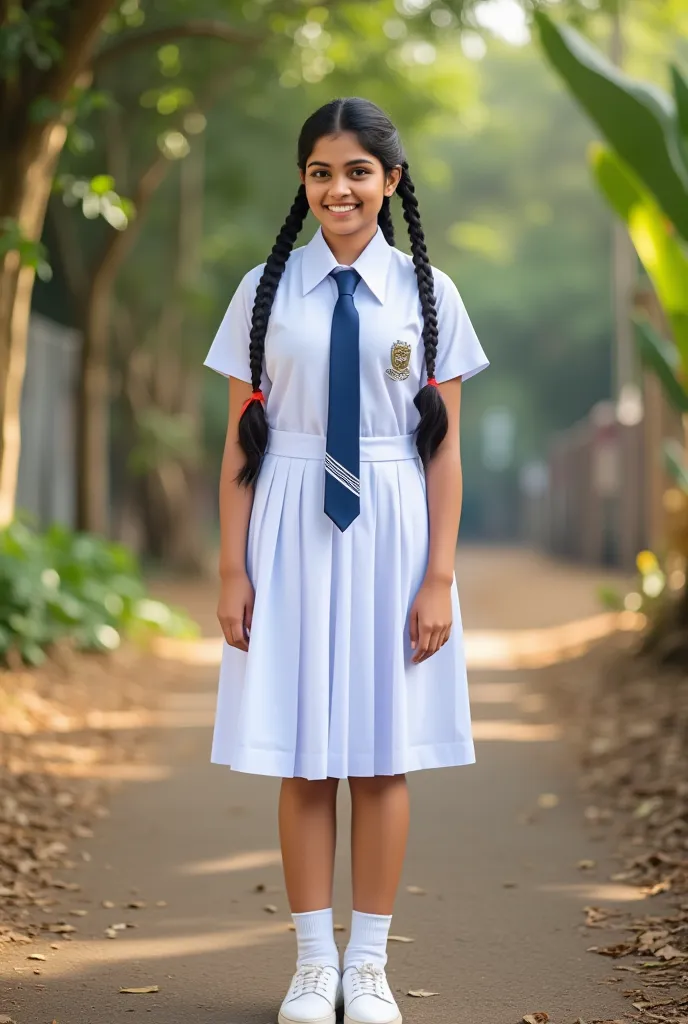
(596, 891)
(515, 732)
(238, 862)
(195, 944)
(538, 648)
(80, 770)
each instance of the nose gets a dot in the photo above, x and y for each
(339, 188)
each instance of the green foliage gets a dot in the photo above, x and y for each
(163, 438)
(661, 357)
(31, 254)
(639, 120)
(30, 34)
(60, 584)
(675, 463)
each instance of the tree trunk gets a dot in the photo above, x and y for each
(26, 179)
(29, 152)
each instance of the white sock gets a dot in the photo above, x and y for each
(368, 942)
(315, 938)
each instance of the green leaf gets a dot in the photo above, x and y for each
(102, 183)
(662, 358)
(659, 249)
(680, 86)
(676, 462)
(638, 120)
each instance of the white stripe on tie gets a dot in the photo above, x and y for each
(340, 470)
(340, 474)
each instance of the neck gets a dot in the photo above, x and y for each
(347, 248)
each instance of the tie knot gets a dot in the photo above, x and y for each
(346, 280)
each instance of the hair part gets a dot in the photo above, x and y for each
(378, 136)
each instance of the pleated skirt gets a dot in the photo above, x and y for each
(328, 687)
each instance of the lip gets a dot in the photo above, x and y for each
(334, 213)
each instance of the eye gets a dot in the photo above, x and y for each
(363, 170)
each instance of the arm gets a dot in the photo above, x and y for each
(431, 614)
(235, 607)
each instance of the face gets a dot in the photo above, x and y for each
(345, 185)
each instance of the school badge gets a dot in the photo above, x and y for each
(400, 359)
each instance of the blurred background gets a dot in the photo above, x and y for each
(147, 161)
(167, 175)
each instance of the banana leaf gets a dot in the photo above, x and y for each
(659, 249)
(675, 463)
(661, 357)
(638, 120)
(681, 94)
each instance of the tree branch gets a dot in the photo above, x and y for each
(155, 37)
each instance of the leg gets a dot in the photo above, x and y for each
(308, 828)
(308, 833)
(379, 828)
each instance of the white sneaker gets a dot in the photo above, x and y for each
(314, 995)
(367, 996)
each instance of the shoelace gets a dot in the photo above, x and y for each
(310, 978)
(368, 980)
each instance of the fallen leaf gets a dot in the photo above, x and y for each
(292, 927)
(54, 945)
(108, 904)
(339, 927)
(260, 887)
(399, 938)
(78, 913)
(536, 1018)
(270, 908)
(61, 929)
(119, 927)
(669, 953)
(415, 890)
(136, 904)
(111, 933)
(420, 993)
(586, 865)
(36, 956)
(547, 801)
(510, 885)
(620, 949)
(146, 990)
(161, 903)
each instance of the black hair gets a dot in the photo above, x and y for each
(378, 136)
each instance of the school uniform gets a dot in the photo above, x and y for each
(328, 687)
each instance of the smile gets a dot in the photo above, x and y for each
(343, 208)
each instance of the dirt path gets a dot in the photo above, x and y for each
(497, 933)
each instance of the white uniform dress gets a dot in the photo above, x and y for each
(328, 687)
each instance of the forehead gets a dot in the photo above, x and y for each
(340, 149)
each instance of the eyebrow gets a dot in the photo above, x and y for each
(321, 163)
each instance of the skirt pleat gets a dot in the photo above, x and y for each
(328, 687)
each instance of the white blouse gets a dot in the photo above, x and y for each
(296, 363)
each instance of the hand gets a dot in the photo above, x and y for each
(235, 609)
(431, 619)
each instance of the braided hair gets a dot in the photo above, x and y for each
(378, 136)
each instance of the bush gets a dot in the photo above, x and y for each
(63, 585)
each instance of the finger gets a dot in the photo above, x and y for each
(248, 617)
(414, 629)
(424, 635)
(433, 644)
(236, 631)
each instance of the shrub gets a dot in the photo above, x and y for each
(60, 585)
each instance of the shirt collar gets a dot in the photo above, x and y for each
(373, 263)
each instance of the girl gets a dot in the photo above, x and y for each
(340, 497)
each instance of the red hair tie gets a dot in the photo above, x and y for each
(432, 382)
(256, 396)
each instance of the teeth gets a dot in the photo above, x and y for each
(342, 209)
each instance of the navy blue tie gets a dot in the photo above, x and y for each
(342, 470)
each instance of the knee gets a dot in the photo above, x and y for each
(374, 784)
(310, 790)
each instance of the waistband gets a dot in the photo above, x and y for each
(312, 446)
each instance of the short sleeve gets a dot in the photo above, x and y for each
(459, 353)
(229, 352)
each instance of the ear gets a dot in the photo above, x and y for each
(302, 176)
(393, 179)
